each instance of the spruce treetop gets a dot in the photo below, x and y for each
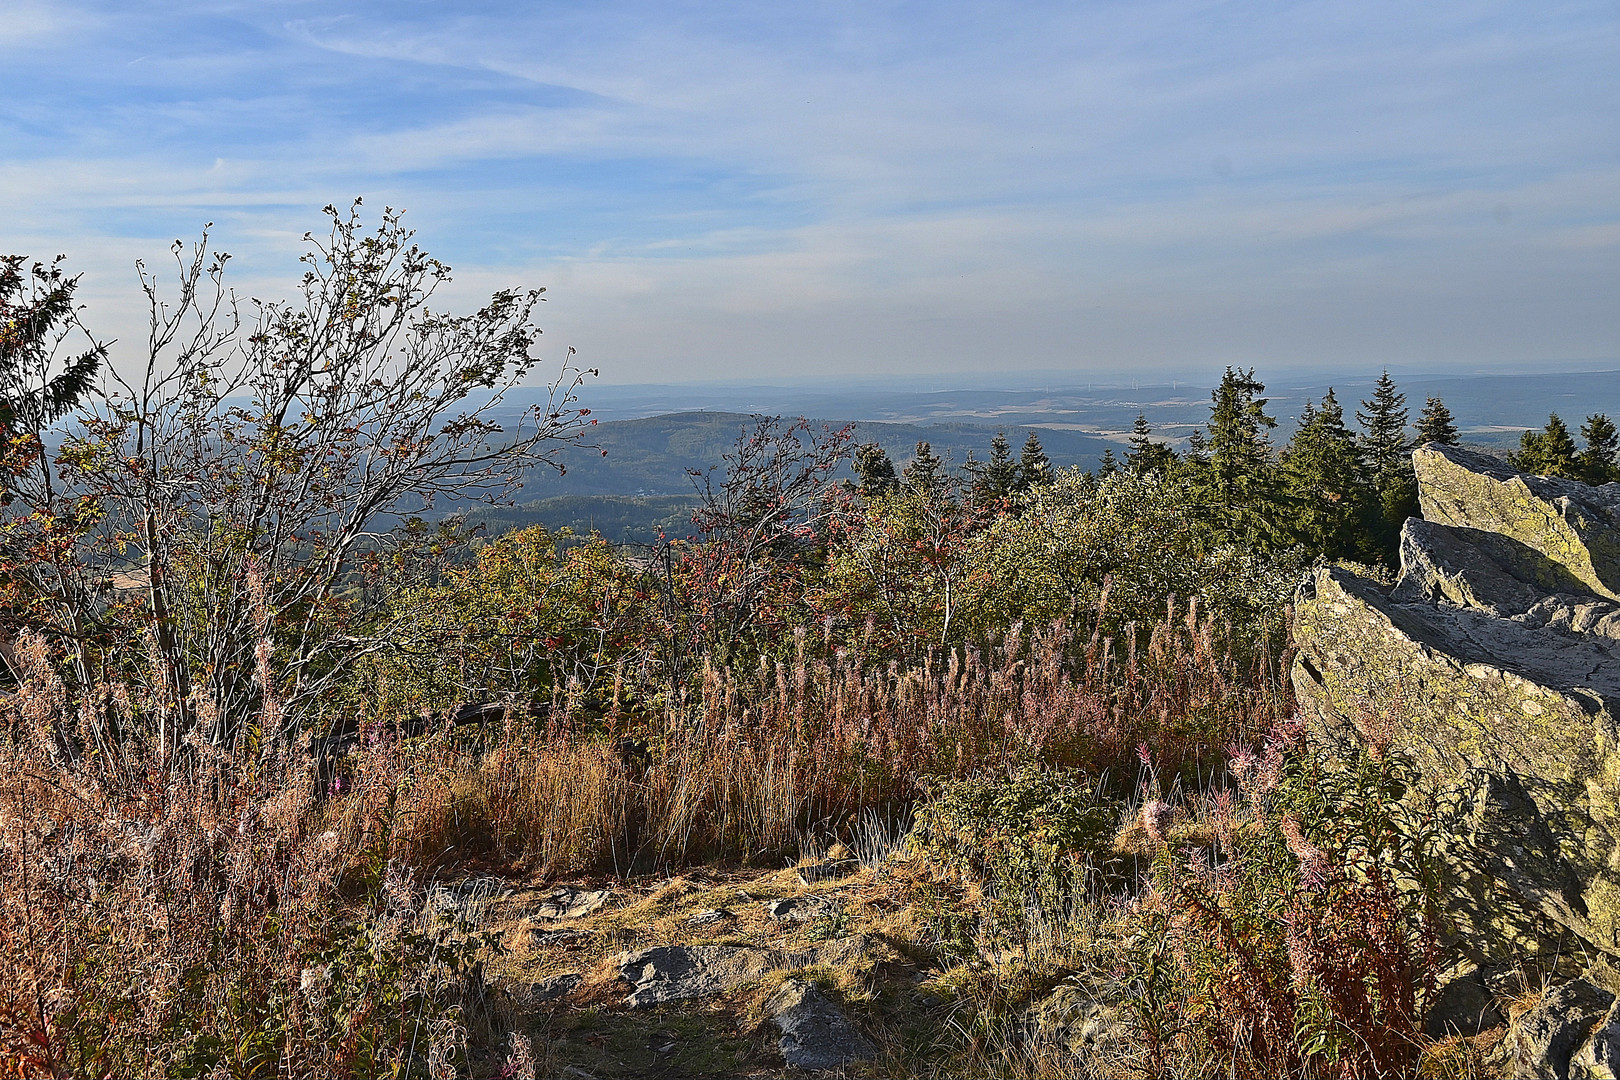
(874, 470)
(1600, 462)
(1145, 455)
(926, 473)
(1436, 424)
(1384, 426)
(1034, 467)
(1548, 452)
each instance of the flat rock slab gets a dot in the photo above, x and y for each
(680, 972)
(558, 986)
(800, 908)
(815, 1033)
(709, 918)
(832, 870)
(572, 903)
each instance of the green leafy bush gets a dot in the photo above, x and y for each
(1031, 839)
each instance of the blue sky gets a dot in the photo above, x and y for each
(775, 190)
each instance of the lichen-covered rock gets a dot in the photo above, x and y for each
(801, 908)
(1443, 564)
(1081, 1024)
(1546, 1039)
(1513, 729)
(1599, 1057)
(571, 903)
(680, 972)
(1574, 526)
(1469, 568)
(1494, 663)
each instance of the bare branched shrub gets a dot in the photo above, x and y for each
(221, 494)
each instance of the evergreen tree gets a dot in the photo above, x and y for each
(1197, 456)
(1239, 483)
(1145, 455)
(36, 308)
(1548, 452)
(1436, 424)
(875, 471)
(1599, 463)
(1109, 465)
(1034, 467)
(996, 480)
(1384, 428)
(1384, 449)
(1326, 481)
(36, 313)
(926, 473)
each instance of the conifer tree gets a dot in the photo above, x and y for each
(1384, 428)
(997, 479)
(36, 309)
(1145, 455)
(926, 473)
(36, 390)
(1599, 463)
(1034, 467)
(1326, 481)
(1197, 456)
(1239, 482)
(874, 470)
(1384, 449)
(1436, 424)
(1108, 465)
(1548, 452)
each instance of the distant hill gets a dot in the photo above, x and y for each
(642, 484)
(1490, 407)
(650, 456)
(623, 519)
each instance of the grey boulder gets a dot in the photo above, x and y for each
(815, 1033)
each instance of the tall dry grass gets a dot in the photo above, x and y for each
(205, 914)
(749, 763)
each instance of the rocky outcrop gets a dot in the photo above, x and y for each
(1575, 528)
(1494, 663)
(1557, 1029)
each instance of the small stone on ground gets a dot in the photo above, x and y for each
(571, 903)
(558, 986)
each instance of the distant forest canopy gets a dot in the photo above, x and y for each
(1339, 486)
